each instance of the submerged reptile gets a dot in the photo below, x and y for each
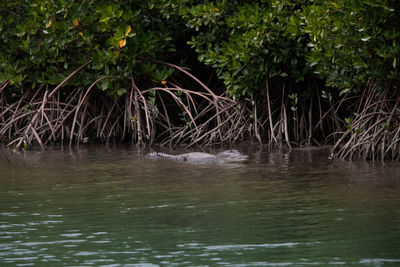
(227, 156)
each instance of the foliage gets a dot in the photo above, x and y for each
(343, 42)
(43, 41)
(353, 41)
(244, 39)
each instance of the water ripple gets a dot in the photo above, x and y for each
(109, 207)
(251, 246)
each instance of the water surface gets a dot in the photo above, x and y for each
(103, 206)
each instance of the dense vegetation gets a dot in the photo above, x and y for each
(288, 72)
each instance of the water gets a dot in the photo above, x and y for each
(103, 206)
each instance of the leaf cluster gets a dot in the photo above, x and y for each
(352, 42)
(244, 39)
(345, 43)
(41, 42)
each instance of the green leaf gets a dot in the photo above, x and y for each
(344, 91)
(104, 19)
(106, 69)
(104, 85)
(121, 92)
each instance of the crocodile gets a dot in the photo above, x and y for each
(227, 156)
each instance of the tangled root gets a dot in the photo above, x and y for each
(169, 115)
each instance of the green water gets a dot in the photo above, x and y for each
(112, 207)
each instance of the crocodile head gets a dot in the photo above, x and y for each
(232, 156)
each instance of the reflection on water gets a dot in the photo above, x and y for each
(111, 206)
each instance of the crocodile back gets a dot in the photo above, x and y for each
(160, 155)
